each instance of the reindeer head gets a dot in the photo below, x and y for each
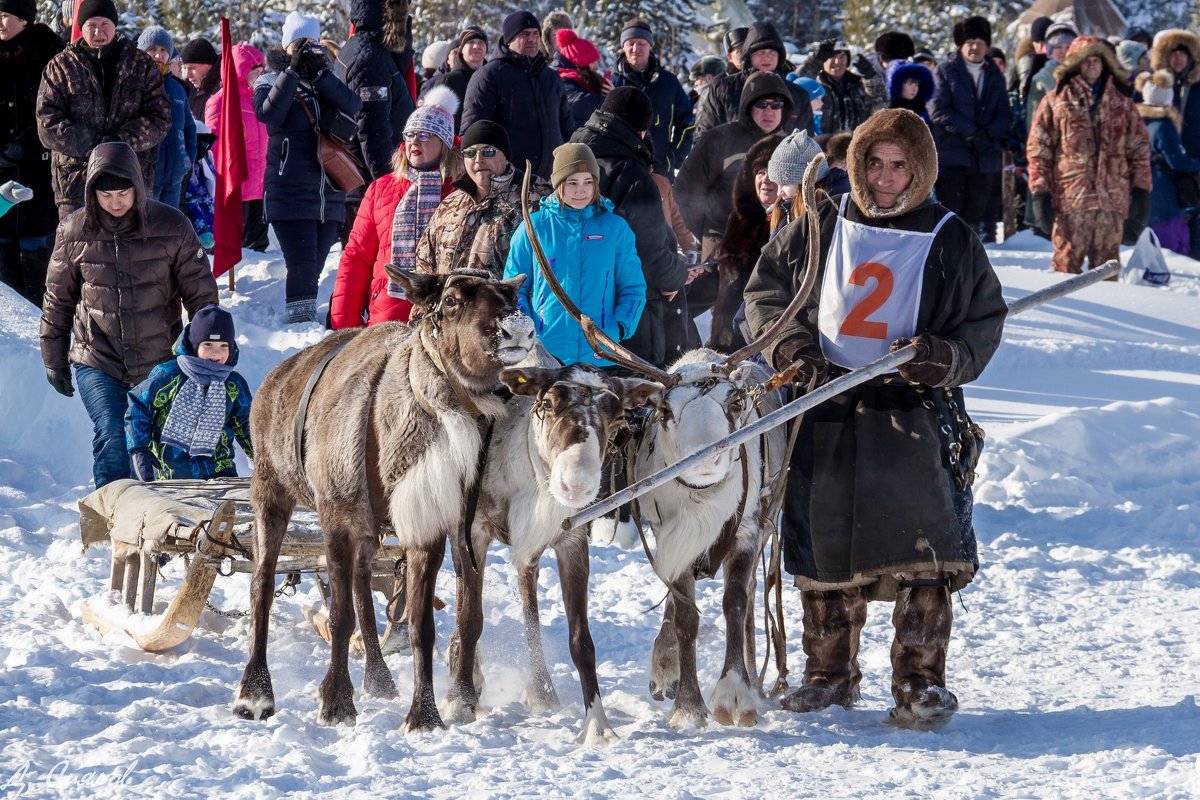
(576, 411)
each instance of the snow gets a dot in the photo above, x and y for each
(1075, 655)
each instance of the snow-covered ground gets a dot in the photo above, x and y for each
(1075, 656)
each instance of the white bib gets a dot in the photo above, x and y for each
(871, 291)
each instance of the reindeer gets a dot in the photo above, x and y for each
(545, 462)
(370, 426)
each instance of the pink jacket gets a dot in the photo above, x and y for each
(245, 58)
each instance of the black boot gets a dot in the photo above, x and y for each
(34, 264)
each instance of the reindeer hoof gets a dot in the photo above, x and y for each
(540, 697)
(746, 718)
(255, 698)
(336, 702)
(457, 710)
(660, 691)
(379, 683)
(689, 717)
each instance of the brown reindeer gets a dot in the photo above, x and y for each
(393, 430)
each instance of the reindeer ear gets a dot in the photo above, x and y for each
(528, 381)
(421, 288)
(636, 393)
(514, 283)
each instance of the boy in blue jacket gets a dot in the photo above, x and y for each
(183, 418)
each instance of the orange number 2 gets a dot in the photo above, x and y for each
(856, 322)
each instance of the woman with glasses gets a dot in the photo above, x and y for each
(394, 213)
(299, 201)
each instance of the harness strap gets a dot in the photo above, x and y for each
(305, 396)
(473, 492)
(926, 583)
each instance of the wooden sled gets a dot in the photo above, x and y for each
(198, 519)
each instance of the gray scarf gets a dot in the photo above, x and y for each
(197, 416)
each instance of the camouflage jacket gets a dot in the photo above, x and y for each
(466, 233)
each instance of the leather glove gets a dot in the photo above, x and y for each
(143, 466)
(60, 379)
(932, 362)
(1043, 213)
(825, 51)
(298, 58)
(864, 67)
(803, 359)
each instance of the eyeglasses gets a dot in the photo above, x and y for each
(769, 105)
(486, 152)
(417, 136)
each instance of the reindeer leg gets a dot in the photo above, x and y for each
(423, 567)
(336, 693)
(461, 704)
(255, 698)
(377, 678)
(689, 702)
(539, 691)
(664, 660)
(573, 569)
(735, 700)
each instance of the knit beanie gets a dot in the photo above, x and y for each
(630, 104)
(469, 33)
(792, 157)
(155, 36)
(637, 29)
(1157, 89)
(516, 22)
(892, 45)
(1129, 53)
(571, 158)
(1060, 33)
(210, 324)
(579, 52)
(300, 26)
(485, 132)
(972, 28)
(111, 182)
(810, 85)
(199, 51)
(1037, 31)
(96, 8)
(436, 53)
(21, 9)
(435, 115)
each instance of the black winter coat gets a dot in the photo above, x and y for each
(295, 186)
(674, 121)
(209, 84)
(722, 103)
(457, 80)
(22, 60)
(969, 127)
(377, 75)
(580, 100)
(525, 97)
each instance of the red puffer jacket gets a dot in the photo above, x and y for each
(362, 282)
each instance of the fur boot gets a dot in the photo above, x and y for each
(833, 622)
(922, 620)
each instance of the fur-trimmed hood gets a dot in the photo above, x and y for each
(388, 18)
(903, 127)
(1151, 113)
(1166, 43)
(1083, 48)
(745, 198)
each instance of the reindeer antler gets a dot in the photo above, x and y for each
(603, 344)
(808, 192)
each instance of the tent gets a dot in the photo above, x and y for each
(1099, 18)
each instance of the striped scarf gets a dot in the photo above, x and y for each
(412, 215)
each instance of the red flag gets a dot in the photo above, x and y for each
(75, 32)
(231, 164)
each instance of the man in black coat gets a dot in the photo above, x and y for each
(202, 72)
(673, 121)
(468, 55)
(519, 93)
(762, 52)
(617, 135)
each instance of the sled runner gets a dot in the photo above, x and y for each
(210, 523)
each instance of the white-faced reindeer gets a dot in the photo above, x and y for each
(369, 426)
(546, 461)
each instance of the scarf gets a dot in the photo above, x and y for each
(197, 416)
(412, 215)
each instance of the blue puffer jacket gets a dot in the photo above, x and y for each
(177, 152)
(1167, 155)
(958, 118)
(150, 403)
(594, 257)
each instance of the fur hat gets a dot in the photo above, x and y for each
(435, 115)
(1157, 88)
(516, 22)
(436, 53)
(155, 36)
(791, 158)
(838, 146)
(21, 9)
(199, 51)
(900, 72)
(630, 104)
(1082, 48)
(1129, 53)
(904, 128)
(637, 29)
(486, 132)
(96, 8)
(210, 324)
(893, 45)
(300, 26)
(758, 158)
(577, 50)
(571, 158)
(972, 28)
(709, 65)
(1037, 30)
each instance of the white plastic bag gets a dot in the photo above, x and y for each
(1147, 266)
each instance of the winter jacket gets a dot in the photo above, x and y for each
(210, 84)
(361, 286)
(1088, 165)
(845, 105)
(472, 232)
(150, 403)
(245, 58)
(457, 80)
(177, 150)
(23, 157)
(374, 64)
(674, 122)
(594, 257)
(1187, 83)
(722, 100)
(1167, 158)
(527, 99)
(74, 115)
(119, 294)
(969, 126)
(704, 186)
(295, 186)
(882, 435)
(581, 100)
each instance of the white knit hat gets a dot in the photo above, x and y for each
(435, 115)
(792, 157)
(1158, 89)
(300, 26)
(436, 53)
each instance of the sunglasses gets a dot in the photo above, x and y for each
(417, 136)
(486, 152)
(769, 105)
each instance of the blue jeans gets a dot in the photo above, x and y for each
(106, 400)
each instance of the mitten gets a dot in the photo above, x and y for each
(1043, 213)
(932, 362)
